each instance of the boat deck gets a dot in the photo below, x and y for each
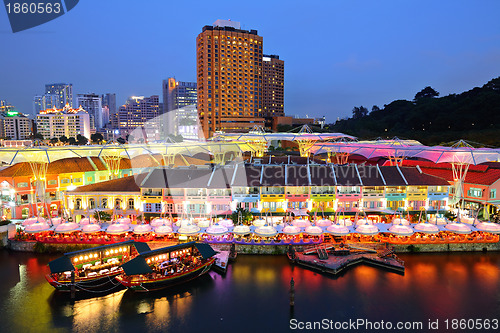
(337, 260)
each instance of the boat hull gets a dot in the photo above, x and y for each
(98, 285)
(167, 281)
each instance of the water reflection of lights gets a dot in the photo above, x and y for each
(366, 278)
(100, 309)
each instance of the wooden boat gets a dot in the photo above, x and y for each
(93, 269)
(166, 267)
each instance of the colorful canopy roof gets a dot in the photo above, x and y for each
(338, 230)
(401, 230)
(241, 230)
(459, 228)
(67, 227)
(217, 230)
(291, 230)
(426, 227)
(488, 227)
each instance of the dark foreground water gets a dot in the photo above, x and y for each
(253, 297)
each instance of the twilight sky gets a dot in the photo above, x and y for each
(338, 54)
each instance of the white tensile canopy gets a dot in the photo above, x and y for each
(291, 230)
(142, 229)
(338, 230)
(459, 228)
(401, 230)
(67, 227)
(494, 228)
(217, 230)
(241, 230)
(426, 227)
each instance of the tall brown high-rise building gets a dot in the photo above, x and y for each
(273, 83)
(229, 69)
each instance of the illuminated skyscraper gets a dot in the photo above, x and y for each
(229, 72)
(273, 88)
(177, 95)
(92, 103)
(64, 91)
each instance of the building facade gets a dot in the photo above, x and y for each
(177, 98)
(66, 121)
(108, 107)
(229, 77)
(63, 91)
(140, 112)
(273, 85)
(15, 126)
(92, 103)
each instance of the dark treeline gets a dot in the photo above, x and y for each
(473, 115)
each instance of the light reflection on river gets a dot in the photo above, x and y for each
(253, 296)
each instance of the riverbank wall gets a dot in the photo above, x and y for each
(33, 246)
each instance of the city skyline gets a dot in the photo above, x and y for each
(350, 54)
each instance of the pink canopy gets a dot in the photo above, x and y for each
(241, 230)
(301, 223)
(338, 230)
(217, 230)
(345, 222)
(67, 227)
(259, 222)
(291, 230)
(488, 227)
(228, 223)
(157, 221)
(266, 231)
(86, 220)
(91, 228)
(57, 220)
(323, 223)
(204, 223)
(123, 220)
(314, 230)
(142, 229)
(163, 230)
(118, 228)
(459, 228)
(37, 227)
(401, 230)
(31, 220)
(426, 227)
(188, 229)
(400, 221)
(367, 229)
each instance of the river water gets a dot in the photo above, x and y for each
(254, 297)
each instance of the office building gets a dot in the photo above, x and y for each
(44, 102)
(229, 73)
(140, 112)
(15, 126)
(176, 95)
(53, 123)
(108, 107)
(273, 98)
(92, 103)
(64, 92)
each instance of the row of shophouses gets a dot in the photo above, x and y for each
(80, 186)
(208, 190)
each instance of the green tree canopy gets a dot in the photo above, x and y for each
(427, 92)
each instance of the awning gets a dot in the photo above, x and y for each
(62, 264)
(205, 250)
(137, 265)
(142, 247)
(103, 247)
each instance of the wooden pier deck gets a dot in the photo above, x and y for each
(339, 260)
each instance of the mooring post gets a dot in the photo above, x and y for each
(292, 293)
(73, 284)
